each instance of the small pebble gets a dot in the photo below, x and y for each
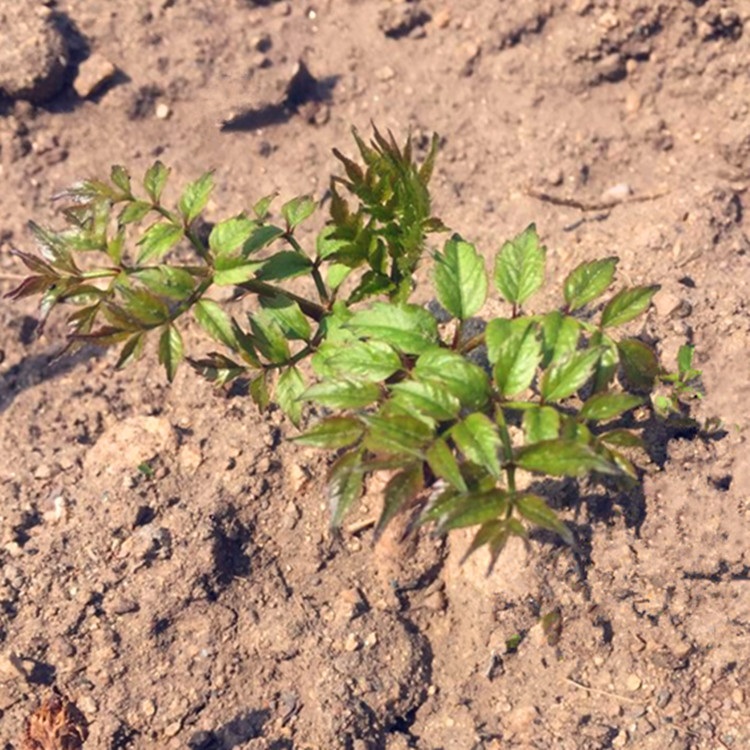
(93, 73)
(662, 698)
(441, 18)
(163, 111)
(633, 683)
(386, 73)
(738, 696)
(43, 471)
(618, 192)
(352, 643)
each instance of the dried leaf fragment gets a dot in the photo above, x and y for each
(56, 725)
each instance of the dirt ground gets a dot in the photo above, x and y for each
(207, 606)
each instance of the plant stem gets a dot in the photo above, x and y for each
(317, 278)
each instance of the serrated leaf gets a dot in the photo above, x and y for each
(627, 304)
(639, 363)
(460, 278)
(622, 439)
(427, 399)
(166, 281)
(606, 367)
(284, 265)
(396, 435)
(217, 369)
(603, 406)
(332, 433)
(142, 306)
(541, 423)
(234, 270)
(230, 234)
(133, 211)
(477, 438)
(120, 178)
(407, 328)
(215, 322)
(171, 351)
(443, 464)
(158, 240)
(259, 391)
(131, 351)
(566, 377)
(328, 243)
(343, 393)
(373, 361)
(261, 237)
(448, 369)
(513, 346)
(473, 509)
(401, 489)
(345, 485)
(535, 509)
(560, 334)
(195, 197)
(155, 180)
(261, 208)
(562, 457)
(685, 359)
(268, 338)
(297, 210)
(588, 281)
(289, 388)
(289, 316)
(519, 267)
(336, 274)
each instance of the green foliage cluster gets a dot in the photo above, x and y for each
(460, 420)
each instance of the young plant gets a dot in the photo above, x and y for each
(464, 423)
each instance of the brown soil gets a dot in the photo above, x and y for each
(208, 607)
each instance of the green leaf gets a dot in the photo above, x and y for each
(343, 394)
(401, 489)
(460, 278)
(639, 363)
(166, 281)
(228, 235)
(171, 351)
(560, 334)
(685, 359)
(621, 439)
(260, 209)
(259, 391)
(396, 435)
(261, 237)
(427, 399)
(289, 316)
(289, 388)
(565, 378)
(603, 406)
(284, 265)
(534, 508)
(373, 361)
(120, 178)
(472, 509)
(158, 240)
(514, 348)
(407, 328)
(328, 243)
(477, 438)
(141, 305)
(568, 458)
(588, 281)
(232, 270)
(519, 267)
(336, 275)
(332, 433)
(195, 197)
(541, 423)
(268, 338)
(297, 210)
(627, 304)
(345, 484)
(131, 351)
(133, 211)
(217, 369)
(215, 322)
(448, 369)
(443, 464)
(155, 180)
(606, 367)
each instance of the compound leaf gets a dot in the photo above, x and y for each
(514, 348)
(588, 281)
(407, 328)
(562, 457)
(477, 438)
(565, 378)
(332, 433)
(171, 351)
(603, 406)
(195, 197)
(535, 509)
(627, 304)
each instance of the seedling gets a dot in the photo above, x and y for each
(465, 423)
